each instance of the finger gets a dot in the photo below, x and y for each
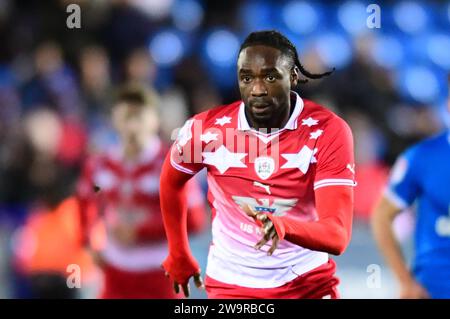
(264, 240)
(261, 243)
(249, 211)
(176, 287)
(186, 290)
(273, 233)
(267, 228)
(198, 281)
(274, 246)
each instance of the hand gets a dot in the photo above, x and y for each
(267, 228)
(124, 234)
(186, 289)
(411, 289)
(180, 269)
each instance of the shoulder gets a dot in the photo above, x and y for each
(165, 147)
(326, 119)
(415, 159)
(429, 146)
(97, 160)
(434, 142)
(93, 160)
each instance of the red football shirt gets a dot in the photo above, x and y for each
(272, 172)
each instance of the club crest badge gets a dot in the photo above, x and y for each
(264, 167)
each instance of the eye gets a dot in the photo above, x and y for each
(246, 79)
(270, 78)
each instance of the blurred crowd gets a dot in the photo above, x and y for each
(57, 84)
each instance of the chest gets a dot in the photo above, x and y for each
(274, 170)
(436, 185)
(127, 182)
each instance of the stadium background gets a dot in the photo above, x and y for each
(56, 85)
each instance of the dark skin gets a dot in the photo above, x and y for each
(266, 77)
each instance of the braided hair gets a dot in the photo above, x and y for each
(275, 39)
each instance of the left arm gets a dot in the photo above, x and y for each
(333, 190)
(331, 233)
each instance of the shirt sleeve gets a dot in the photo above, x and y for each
(186, 151)
(85, 187)
(334, 156)
(85, 194)
(404, 187)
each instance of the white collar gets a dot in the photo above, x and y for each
(291, 124)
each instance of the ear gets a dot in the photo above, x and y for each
(294, 76)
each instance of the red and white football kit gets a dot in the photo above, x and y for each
(129, 194)
(301, 176)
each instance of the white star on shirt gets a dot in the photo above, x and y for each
(315, 135)
(223, 159)
(223, 120)
(309, 121)
(300, 160)
(208, 137)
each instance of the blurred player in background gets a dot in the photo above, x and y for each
(293, 198)
(123, 182)
(421, 176)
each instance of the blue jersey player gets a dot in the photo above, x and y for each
(421, 179)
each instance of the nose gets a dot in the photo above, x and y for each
(259, 89)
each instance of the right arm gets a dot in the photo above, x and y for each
(382, 220)
(177, 170)
(180, 264)
(405, 185)
(88, 202)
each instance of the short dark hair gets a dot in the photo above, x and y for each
(136, 94)
(275, 39)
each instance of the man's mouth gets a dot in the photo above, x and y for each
(260, 105)
(260, 108)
